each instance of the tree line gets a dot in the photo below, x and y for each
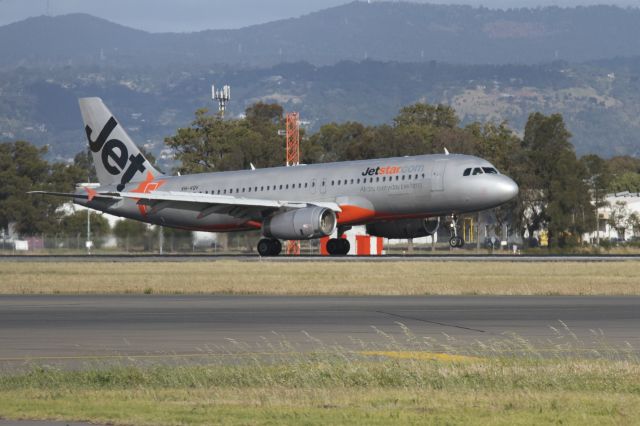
(556, 187)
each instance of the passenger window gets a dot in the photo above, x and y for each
(351, 181)
(305, 184)
(332, 183)
(490, 170)
(397, 177)
(358, 180)
(280, 186)
(409, 177)
(286, 186)
(477, 171)
(467, 172)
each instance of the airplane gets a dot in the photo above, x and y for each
(400, 197)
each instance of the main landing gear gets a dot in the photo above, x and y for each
(339, 246)
(269, 247)
(455, 241)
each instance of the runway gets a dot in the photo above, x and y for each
(440, 257)
(72, 330)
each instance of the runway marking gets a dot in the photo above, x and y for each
(431, 322)
(419, 355)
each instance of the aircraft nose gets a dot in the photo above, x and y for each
(506, 189)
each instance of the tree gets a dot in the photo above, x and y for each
(214, 144)
(560, 199)
(620, 218)
(23, 169)
(131, 233)
(423, 114)
(627, 181)
(75, 225)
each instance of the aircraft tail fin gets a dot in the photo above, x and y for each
(117, 159)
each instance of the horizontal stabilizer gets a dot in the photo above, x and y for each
(89, 196)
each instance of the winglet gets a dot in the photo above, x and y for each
(446, 151)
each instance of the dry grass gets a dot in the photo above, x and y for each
(322, 278)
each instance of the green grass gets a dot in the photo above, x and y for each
(338, 387)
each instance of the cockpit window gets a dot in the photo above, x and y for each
(477, 171)
(467, 172)
(490, 170)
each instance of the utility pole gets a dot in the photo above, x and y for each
(88, 243)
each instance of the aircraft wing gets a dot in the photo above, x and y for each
(207, 204)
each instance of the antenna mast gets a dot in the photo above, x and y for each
(222, 96)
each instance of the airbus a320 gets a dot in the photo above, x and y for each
(401, 197)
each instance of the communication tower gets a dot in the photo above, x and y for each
(222, 96)
(293, 159)
(293, 139)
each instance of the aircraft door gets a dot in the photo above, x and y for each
(437, 175)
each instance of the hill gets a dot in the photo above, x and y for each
(600, 101)
(385, 31)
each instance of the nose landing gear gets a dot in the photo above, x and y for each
(455, 241)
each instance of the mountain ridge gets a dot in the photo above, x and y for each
(385, 31)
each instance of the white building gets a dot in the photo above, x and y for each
(619, 219)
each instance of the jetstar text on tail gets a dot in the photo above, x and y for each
(393, 170)
(115, 155)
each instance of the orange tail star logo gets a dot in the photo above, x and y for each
(146, 187)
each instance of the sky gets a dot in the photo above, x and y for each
(197, 15)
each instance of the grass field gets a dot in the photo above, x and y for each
(336, 389)
(323, 278)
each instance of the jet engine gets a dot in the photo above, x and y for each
(404, 228)
(300, 224)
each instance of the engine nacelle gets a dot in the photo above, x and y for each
(300, 224)
(404, 228)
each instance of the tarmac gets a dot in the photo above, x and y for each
(89, 330)
(439, 257)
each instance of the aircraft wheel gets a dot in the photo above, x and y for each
(333, 246)
(338, 246)
(344, 246)
(264, 247)
(276, 247)
(269, 247)
(456, 242)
